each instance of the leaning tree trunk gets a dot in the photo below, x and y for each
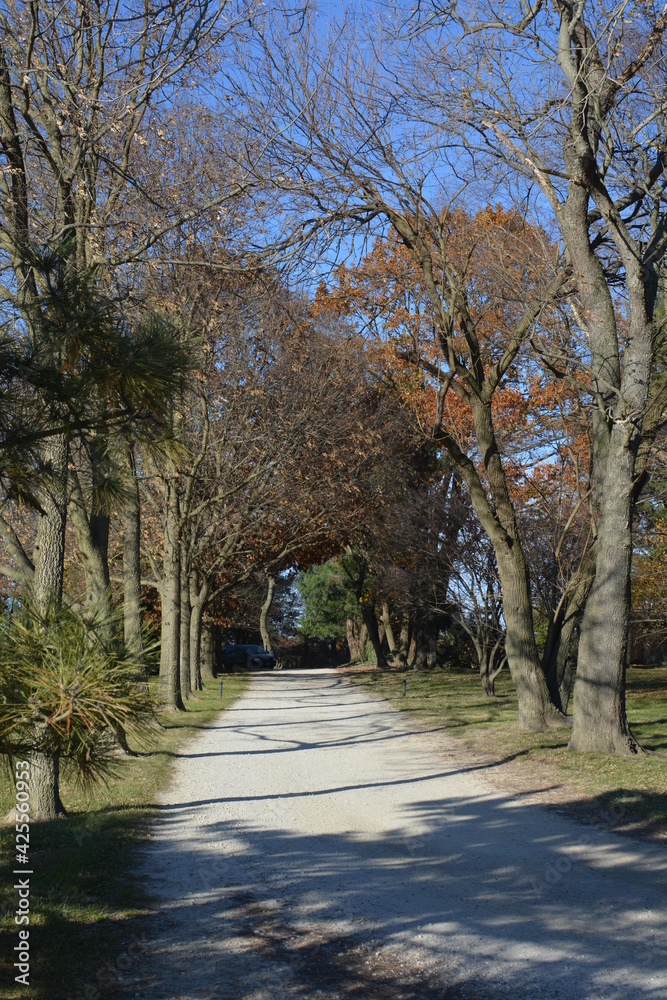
(132, 564)
(600, 720)
(169, 688)
(49, 559)
(266, 606)
(488, 671)
(388, 630)
(535, 709)
(535, 706)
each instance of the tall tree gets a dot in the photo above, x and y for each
(586, 131)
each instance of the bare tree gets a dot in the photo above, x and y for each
(585, 131)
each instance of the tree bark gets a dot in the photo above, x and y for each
(600, 720)
(45, 801)
(132, 563)
(169, 688)
(49, 560)
(186, 612)
(403, 644)
(268, 601)
(388, 630)
(556, 658)
(92, 536)
(198, 599)
(207, 650)
(49, 553)
(357, 637)
(621, 394)
(534, 703)
(371, 623)
(195, 649)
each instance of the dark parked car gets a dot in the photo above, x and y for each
(251, 657)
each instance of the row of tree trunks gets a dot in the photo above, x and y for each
(186, 651)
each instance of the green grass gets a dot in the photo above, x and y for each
(84, 899)
(620, 792)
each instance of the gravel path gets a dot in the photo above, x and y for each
(312, 845)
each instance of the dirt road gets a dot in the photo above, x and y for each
(313, 846)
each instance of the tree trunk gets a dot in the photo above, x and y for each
(535, 710)
(371, 623)
(49, 553)
(353, 640)
(488, 671)
(270, 590)
(401, 655)
(207, 655)
(45, 801)
(92, 536)
(556, 655)
(357, 637)
(169, 689)
(198, 599)
(186, 611)
(388, 630)
(195, 648)
(487, 677)
(426, 643)
(420, 649)
(49, 559)
(600, 720)
(132, 564)
(432, 649)
(534, 703)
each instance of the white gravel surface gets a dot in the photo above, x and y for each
(312, 845)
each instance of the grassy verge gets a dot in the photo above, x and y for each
(624, 793)
(82, 893)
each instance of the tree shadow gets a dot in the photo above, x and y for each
(356, 863)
